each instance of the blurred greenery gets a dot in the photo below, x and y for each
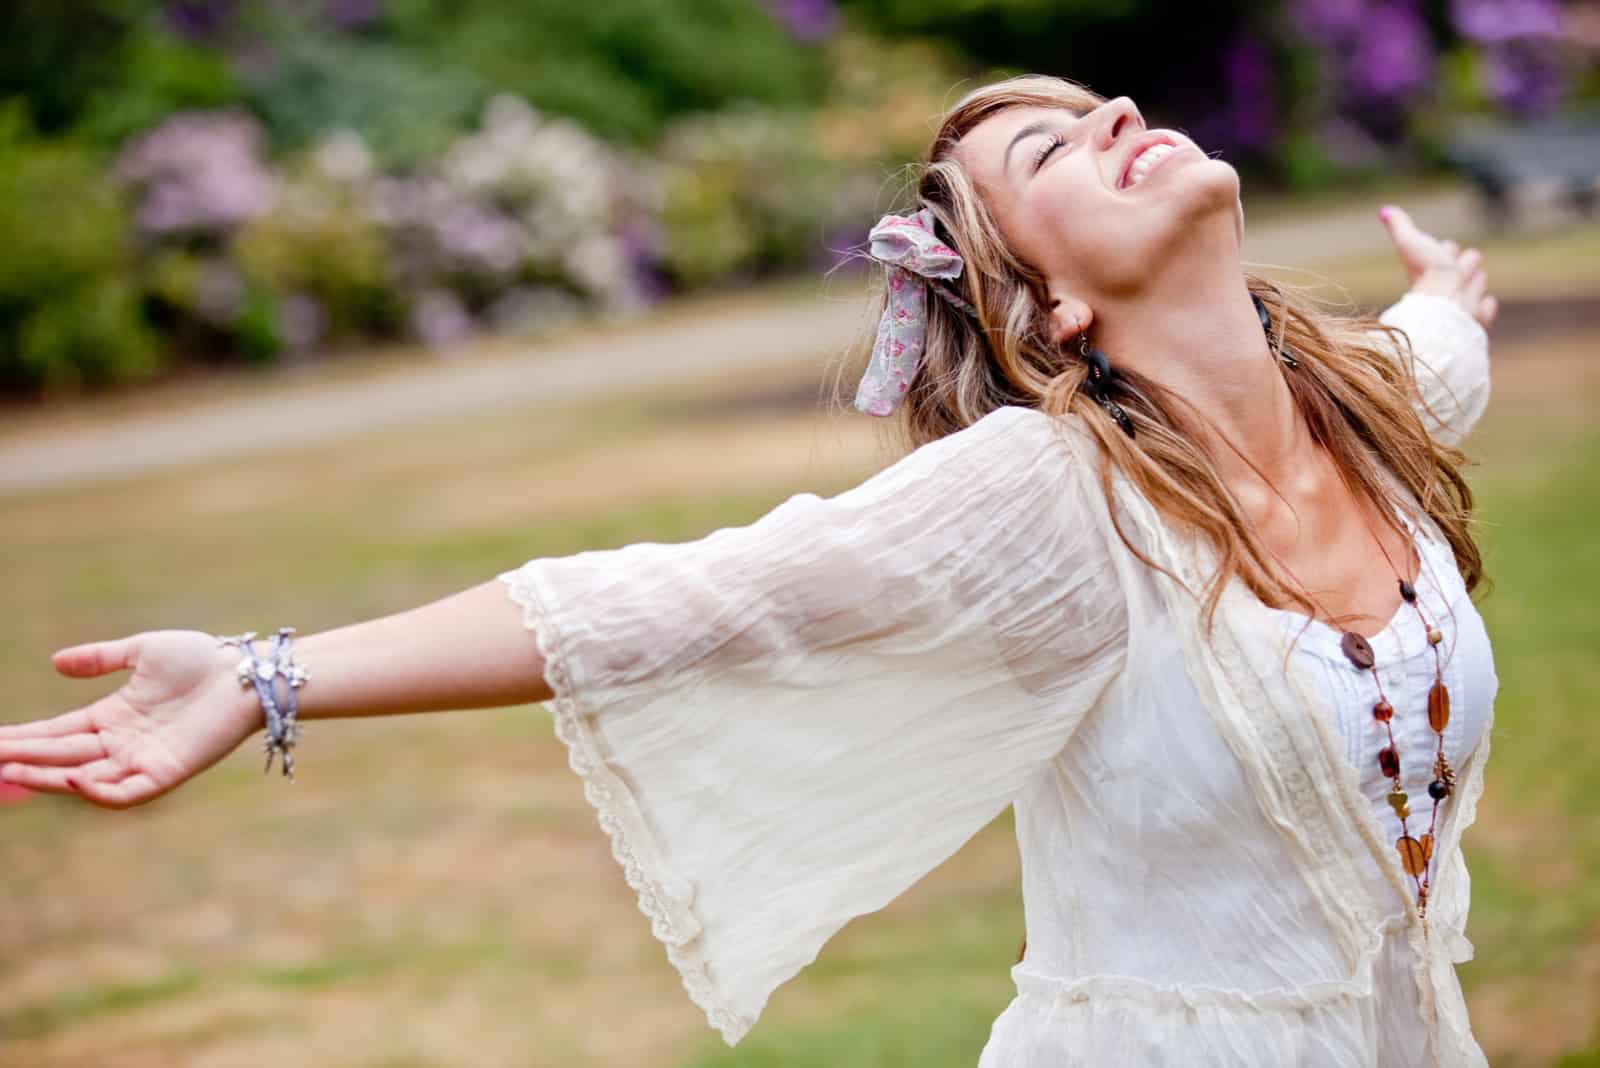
(702, 142)
(69, 309)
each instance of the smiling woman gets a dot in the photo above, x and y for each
(1180, 568)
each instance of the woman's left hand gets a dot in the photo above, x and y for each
(1441, 267)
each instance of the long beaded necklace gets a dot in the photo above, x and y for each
(1416, 852)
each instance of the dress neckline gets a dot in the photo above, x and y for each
(1403, 635)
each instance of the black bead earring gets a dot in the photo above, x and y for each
(1266, 324)
(1099, 384)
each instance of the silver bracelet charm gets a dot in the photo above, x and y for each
(282, 729)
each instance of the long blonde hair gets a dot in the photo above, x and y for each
(1356, 398)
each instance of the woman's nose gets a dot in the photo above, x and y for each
(1122, 118)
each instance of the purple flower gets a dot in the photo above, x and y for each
(198, 171)
(439, 318)
(1250, 96)
(1525, 77)
(475, 237)
(1328, 21)
(1392, 57)
(199, 19)
(807, 20)
(302, 321)
(1497, 21)
(353, 14)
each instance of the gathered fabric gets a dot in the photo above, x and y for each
(785, 725)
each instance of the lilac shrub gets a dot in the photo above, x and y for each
(198, 173)
(1378, 53)
(521, 225)
(1522, 41)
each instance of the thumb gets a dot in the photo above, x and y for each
(1412, 244)
(95, 658)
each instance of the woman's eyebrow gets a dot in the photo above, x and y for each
(1036, 127)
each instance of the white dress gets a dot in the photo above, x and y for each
(785, 725)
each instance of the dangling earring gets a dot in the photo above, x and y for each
(1266, 324)
(1099, 383)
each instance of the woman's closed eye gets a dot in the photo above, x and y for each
(1055, 142)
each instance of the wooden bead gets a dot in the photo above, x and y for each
(1383, 711)
(1427, 847)
(1434, 637)
(1438, 707)
(1413, 854)
(1389, 761)
(1356, 649)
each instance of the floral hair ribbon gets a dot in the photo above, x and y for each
(916, 259)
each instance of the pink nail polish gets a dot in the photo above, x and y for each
(1383, 213)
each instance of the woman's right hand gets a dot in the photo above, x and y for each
(180, 712)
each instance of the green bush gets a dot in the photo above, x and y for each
(748, 191)
(69, 312)
(624, 68)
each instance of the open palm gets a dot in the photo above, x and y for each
(1441, 267)
(180, 712)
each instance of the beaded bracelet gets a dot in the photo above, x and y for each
(282, 730)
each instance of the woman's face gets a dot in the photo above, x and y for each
(1059, 186)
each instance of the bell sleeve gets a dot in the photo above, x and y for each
(1450, 359)
(785, 725)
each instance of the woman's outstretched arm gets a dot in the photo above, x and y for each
(182, 708)
(467, 650)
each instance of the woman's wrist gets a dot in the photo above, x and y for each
(243, 706)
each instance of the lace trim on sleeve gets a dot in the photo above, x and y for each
(671, 916)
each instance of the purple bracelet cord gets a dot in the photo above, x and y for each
(281, 730)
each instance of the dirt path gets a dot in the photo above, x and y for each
(118, 436)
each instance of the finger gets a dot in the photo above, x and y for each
(1451, 247)
(46, 780)
(1473, 288)
(74, 749)
(1470, 261)
(1414, 246)
(72, 722)
(95, 658)
(1488, 308)
(124, 793)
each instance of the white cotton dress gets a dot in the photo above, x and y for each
(785, 725)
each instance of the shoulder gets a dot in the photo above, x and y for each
(1013, 432)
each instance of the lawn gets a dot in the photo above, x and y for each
(434, 890)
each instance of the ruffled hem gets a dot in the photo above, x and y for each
(671, 917)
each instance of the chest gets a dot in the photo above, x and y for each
(1343, 553)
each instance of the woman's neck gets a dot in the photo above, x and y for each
(1201, 338)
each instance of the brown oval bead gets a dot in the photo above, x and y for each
(1427, 847)
(1383, 711)
(1389, 761)
(1438, 707)
(1434, 636)
(1356, 649)
(1413, 854)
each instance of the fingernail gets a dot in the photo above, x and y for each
(1383, 213)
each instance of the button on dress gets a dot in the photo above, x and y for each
(785, 725)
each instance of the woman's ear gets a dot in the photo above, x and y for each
(1068, 318)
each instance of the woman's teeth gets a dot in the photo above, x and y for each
(1146, 163)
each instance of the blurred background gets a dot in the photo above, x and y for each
(316, 310)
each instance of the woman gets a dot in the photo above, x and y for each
(1190, 593)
